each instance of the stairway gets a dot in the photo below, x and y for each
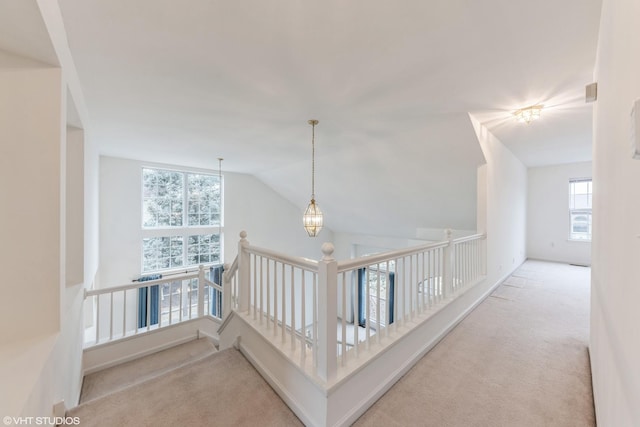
(191, 384)
(128, 374)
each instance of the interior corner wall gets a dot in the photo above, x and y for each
(615, 276)
(269, 220)
(74, 270)
(548, 220)
(91, 211)
(30, 160)
(502, 207)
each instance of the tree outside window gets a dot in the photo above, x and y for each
(175, 236)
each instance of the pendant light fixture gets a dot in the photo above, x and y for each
(313, 218)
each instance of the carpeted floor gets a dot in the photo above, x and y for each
(222, 389)
(519, 359)
(127, 374)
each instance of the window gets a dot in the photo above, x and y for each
(580, 200)
(378, 283)
(181, 219)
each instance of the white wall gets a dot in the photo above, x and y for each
(548, 220)
(41, 353)
(615, 276)
(270, 220)
(350, 245)
(502, 204)
(30, 155)
(74, 221)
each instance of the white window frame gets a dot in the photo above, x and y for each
(185, 230)
(573, 236)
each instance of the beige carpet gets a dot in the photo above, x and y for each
(222, 389)
(519, 359)
(125, 375)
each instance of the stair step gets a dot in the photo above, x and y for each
(221, 389)
(130, 373)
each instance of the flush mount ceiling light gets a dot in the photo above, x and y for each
(313, 218)
(529, 114)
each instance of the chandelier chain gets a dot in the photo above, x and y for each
(313, 161)
(220, 159)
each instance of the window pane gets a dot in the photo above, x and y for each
(203, 249)
(581, 226)
(580, 203)
(204, 199)
(160, 253)
(162, 198)
(581, 187)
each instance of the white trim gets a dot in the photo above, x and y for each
(317, 403)
(113, 353)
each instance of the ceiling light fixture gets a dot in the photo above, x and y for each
(529, 114)
(313, 218)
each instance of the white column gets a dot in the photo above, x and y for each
(227, 293)
(327, 314)
(244, 266)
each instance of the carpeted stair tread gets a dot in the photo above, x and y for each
(222, 389)
(124, 375)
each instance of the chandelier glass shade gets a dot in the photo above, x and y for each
(313, 218)
(529, 114)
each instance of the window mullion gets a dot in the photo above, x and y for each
(185, 218)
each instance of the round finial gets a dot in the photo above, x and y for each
(327, 250)
(313, 122)
(243, 234)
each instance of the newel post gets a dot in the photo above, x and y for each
(447, 271)
(227, 294)
(243, 273)
(201, 290)
(327, 314)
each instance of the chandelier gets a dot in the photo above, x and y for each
(529, 114)
(313, 218)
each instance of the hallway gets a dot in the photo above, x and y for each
(519, 359)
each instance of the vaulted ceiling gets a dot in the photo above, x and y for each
(391, 83)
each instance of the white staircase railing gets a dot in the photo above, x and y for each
(137, 308)
(324, 314)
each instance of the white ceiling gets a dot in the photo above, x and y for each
(22, 32)
(392, 84)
